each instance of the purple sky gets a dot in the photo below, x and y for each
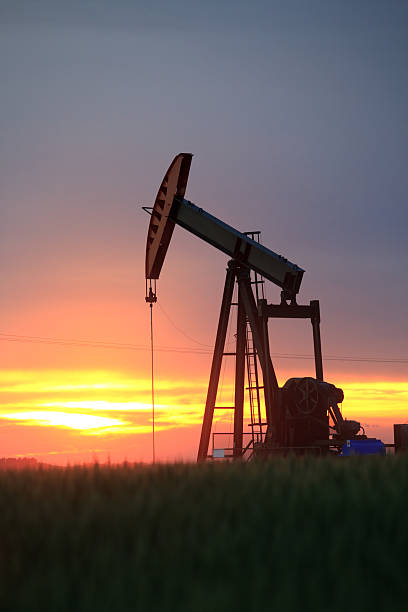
(296, 113)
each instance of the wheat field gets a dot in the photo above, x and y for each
(287, 535)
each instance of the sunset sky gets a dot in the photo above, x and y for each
(296, 115)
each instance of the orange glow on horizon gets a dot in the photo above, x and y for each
(376, 399)
(65, 410)
(64, 419)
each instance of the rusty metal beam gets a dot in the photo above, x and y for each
(260, 338)
(317, 343)
(216, 362)
(239, 377)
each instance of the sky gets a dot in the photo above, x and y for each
(296, 115)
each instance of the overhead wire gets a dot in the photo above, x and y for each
(228, 343)
(106, 344)
(179, 329)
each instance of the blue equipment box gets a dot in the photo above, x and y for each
(370, 446)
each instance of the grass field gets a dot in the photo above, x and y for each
(291, 534)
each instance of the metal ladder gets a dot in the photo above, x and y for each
(253, 388)
(258, 427)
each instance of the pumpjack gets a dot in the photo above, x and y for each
(302, 416)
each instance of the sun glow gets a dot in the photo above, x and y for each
(89, 381)
(63, 412)
(63, 419)
(103, 405)
(376, 399)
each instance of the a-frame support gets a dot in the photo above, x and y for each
(256, 315)
(261, 342)
(239, 377)
(216, 362)
(247, 312)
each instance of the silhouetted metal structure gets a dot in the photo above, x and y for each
(401, 437)
(303, 415)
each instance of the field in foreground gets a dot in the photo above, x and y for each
(291, 534)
